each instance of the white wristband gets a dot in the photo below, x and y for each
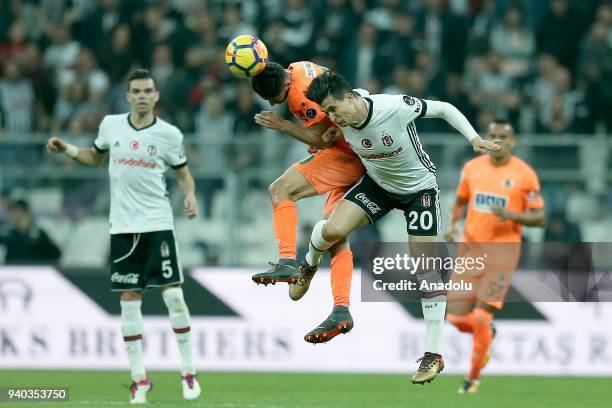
(71, 151)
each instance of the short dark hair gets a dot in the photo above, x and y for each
(328, 83)
(270, 81)
(140, 73)
(19, 204)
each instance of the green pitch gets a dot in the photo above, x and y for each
(255, 390)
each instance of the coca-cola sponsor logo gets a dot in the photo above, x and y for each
(131, 278)
(370, 205)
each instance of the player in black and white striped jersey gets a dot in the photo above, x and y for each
(141, 148)
(399, 175)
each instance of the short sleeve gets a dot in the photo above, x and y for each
(307, 111)
(531, 191)
(410, 108)
(463, 189)
(102, 142)
(175, 155)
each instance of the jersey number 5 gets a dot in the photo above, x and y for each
(167, 268)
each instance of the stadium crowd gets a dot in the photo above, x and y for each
(547, 65)
(544, 64)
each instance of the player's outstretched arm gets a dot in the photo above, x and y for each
(312, 135)
(89, 157)
(452, 115)
(187, 185)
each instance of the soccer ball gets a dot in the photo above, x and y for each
(246, 56)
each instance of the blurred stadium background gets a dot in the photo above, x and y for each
(544, 64)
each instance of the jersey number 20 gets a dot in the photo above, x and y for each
(425, 220)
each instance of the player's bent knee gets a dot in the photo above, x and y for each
(280, 190)
(130, 295)
(174, 300)
(333, 233)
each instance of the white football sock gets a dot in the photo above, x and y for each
(181, 323)
(318, 246)
(433, 312)
(131, 328)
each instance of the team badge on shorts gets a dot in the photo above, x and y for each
(426, 200)
(311, 113)
(164, 249)
(408, 99)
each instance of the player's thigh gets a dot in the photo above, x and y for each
(291, 185)
(163, 267)
(494, 286)
(332, 200)
(330, 169)
(127, 266)
(346, 217)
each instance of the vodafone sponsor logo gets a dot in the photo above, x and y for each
(370, 205)
(135, 163)
(383, 155)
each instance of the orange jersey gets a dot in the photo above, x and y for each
(302, 74)
(514, 186)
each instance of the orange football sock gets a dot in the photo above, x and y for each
(341, 274)
(482, 340)
(464, 323)
(285, 228)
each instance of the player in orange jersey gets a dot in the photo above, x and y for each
(502, 194)
(332, 171)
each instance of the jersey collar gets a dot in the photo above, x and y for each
(367, 120)
(146, 127)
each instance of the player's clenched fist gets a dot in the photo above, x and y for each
(332, 134)
(191, 206)
(482, 145)
(56, 145)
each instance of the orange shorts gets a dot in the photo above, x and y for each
(332, 171)
(491, 284)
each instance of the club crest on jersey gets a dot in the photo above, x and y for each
(367, 143)
(164, 249)
(311, 113)
(508, 183)
(152, 150)
(426, 200)
(134, 144)
(409, 100)
(387, 140)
